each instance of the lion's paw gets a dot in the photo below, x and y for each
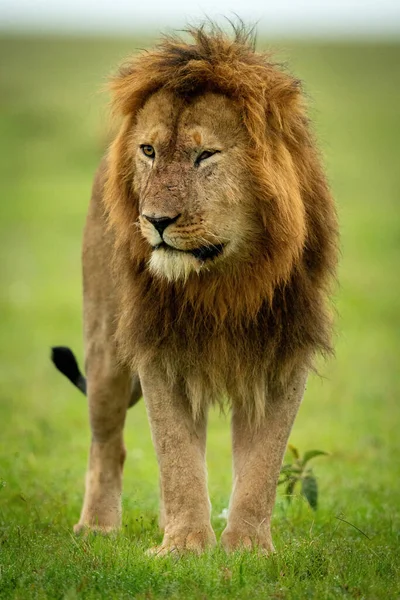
(86, 529)
(194, 541)
(233, 541)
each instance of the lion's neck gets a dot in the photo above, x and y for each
(224, 331)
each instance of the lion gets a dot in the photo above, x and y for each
(209, 252)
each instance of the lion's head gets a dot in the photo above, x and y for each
(214, 159)
(196, 209)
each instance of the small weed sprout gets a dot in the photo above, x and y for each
(298, 471)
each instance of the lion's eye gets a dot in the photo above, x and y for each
(148, 150)
(204, 155)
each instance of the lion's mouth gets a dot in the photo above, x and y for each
(202, 253)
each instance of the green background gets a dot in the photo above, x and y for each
(53, 130)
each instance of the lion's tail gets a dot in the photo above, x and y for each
(65, 361)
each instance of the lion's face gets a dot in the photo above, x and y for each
(194, 190)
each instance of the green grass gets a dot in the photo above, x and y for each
(53, 130)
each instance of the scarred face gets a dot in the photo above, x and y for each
(195, 205)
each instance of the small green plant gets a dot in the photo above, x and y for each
(298, 472)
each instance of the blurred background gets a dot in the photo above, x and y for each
(303, 18)
(55, 57)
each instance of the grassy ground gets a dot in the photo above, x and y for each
(52, 132)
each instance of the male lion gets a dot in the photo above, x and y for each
(208, 252)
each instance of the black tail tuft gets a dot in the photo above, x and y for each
(65, 361)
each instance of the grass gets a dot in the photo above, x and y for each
(52, 133)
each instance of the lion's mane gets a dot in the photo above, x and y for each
(228, 334)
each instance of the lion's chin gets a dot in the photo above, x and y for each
(174, 264)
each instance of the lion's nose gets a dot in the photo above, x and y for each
(161, 223)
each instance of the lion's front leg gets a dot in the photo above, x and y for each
(179, 442)
(257, 457)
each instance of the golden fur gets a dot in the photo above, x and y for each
(272, 299)
(228, 303)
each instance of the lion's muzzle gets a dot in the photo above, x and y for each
(161, 223)
(176, 241)
(202, 253)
